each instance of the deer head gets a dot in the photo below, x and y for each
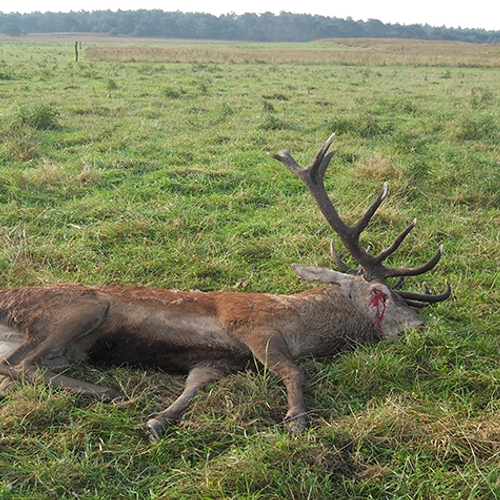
(387, 306)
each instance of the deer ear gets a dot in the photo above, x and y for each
(315, 273)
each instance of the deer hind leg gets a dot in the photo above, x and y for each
(197, 378)
(32, 374)
(272, 351)
(54, 345)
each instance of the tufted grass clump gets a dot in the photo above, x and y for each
(38, 115)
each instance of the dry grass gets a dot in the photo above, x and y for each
(50, 176)
(444, 434)
(352, 52)
(378, 167)
(420, 47)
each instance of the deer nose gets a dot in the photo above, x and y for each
(415, 324)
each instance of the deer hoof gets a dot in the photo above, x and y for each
(155, 427)
(297, 424)
(112, 396)
(154, 430)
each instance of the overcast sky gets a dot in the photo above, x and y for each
(451, 13)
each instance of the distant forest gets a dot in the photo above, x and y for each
(267, 27)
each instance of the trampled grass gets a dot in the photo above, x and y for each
(157, 174)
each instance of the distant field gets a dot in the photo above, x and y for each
(145, 163)
(350, 52)
(336, 51)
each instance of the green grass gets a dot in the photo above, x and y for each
(157, 174)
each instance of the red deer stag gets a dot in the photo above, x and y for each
(212, 334)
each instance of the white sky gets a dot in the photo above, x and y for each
(451, 13)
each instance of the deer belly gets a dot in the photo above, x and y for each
(124, 348)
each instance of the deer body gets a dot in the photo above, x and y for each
(212, 334)
(145, 325)
(209, 334)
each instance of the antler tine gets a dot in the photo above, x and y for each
(321, 160)
(427, 297)
(397, 242)
(286, 158)
(342, 265)
(363, 222)
(413, 271)
(316, 169)
(399, 283)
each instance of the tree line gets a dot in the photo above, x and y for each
(284, 27)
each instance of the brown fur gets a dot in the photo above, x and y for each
(207, 335)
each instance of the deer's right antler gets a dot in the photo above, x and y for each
(371, 266)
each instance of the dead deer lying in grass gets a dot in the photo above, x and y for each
(211, 334)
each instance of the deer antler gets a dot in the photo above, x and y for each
(371, 266)
(424, 299)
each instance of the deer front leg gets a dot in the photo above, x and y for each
(272, 351)
(197, 378)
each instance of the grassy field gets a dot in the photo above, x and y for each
(155, 172)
